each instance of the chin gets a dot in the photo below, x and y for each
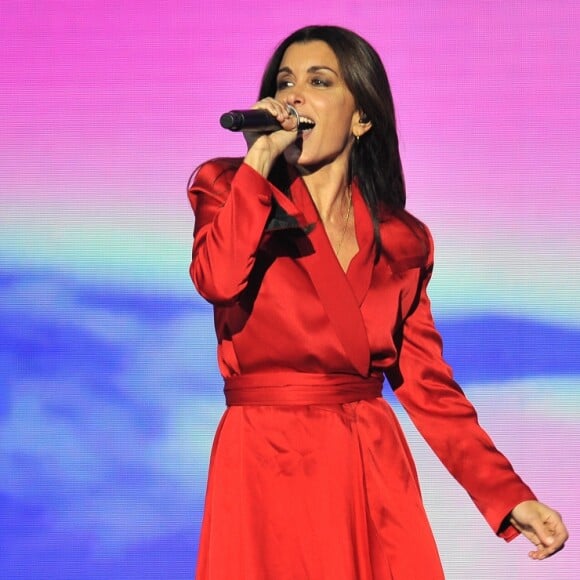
(293, 154)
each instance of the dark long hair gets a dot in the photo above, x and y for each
(375, 161)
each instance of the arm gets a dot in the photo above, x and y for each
(231, 207)
(424, 384)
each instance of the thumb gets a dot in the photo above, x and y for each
(543, 530)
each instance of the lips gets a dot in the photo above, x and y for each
(305, 123)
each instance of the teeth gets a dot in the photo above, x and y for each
(305, 123)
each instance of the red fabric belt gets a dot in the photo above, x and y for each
(292, 388)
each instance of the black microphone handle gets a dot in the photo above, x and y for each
(252, 120)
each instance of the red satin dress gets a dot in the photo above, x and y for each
(310, 473)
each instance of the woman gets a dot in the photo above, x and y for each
(318, 279)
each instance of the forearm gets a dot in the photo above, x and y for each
(425, 386)
(230, 221)
(449, 424)
(260, 158)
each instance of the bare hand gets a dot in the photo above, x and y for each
(542, 526)
(263, 149)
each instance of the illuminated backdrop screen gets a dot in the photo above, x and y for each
(109, 391)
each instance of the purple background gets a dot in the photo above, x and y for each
(109, 391)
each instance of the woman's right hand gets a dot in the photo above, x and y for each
(264, 149)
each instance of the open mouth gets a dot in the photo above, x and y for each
(305, 124)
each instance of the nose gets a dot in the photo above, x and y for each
(295, 96)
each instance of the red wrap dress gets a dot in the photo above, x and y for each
(310, 474)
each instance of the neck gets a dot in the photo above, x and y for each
(330, 191)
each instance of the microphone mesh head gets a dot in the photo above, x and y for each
(227, 120)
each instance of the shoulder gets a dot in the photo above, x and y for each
(406, 240)
(215, 174)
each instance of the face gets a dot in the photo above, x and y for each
(311, 81)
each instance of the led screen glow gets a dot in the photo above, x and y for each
(109, 390)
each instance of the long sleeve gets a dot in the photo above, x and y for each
(424, 384)
(233, 206)
(231, 203)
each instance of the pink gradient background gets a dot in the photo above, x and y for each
(106, 108)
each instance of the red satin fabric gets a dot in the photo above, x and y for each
(287, 498)
(291, 388)
(322, 485)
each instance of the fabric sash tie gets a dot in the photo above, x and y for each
(293, 388)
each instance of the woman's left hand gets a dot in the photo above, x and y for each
(542, 526)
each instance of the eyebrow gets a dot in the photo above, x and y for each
(312, 69)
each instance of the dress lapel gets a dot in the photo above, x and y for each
(340, 300)
(360, 270)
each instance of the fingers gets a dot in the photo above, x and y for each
(543, 527)
(284, 114)
(551, 535)
(264, 148)
(543, 551)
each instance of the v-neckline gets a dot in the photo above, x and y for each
(303, 200)
(359, 270)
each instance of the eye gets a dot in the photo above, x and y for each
(320, 82)
(283, 84)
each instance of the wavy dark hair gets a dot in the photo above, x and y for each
(375, 161)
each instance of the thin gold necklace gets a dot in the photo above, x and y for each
(345, 221)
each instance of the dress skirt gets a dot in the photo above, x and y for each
(320, 492)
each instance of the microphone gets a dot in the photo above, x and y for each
(254, 120)
(259, 121)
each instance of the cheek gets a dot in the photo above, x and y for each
(343, 114)
(341, 125)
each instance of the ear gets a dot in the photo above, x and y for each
(361, 124)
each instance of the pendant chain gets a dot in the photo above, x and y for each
(347, 219)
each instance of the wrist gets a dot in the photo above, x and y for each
(260, 158)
